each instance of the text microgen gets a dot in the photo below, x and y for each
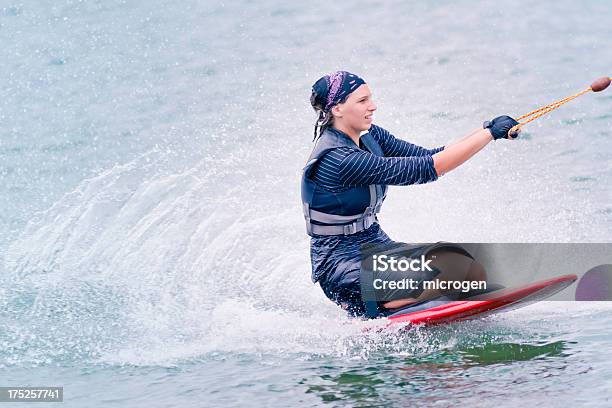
(404, 284)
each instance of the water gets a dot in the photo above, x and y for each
(142, 264)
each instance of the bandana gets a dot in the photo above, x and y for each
(336, 87)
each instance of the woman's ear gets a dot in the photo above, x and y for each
(336, 111)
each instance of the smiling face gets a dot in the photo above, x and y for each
(355, 114)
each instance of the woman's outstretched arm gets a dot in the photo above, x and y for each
(459, 152)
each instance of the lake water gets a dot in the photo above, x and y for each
(152, 245)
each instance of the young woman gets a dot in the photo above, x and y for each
(345, 182)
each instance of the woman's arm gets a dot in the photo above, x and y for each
(394, 147)
(347, 167)
(465, 137)
(459, 152)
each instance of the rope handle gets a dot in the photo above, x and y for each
(597, 86)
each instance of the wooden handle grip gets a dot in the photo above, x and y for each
(600, 84)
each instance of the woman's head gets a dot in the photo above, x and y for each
(344, 100)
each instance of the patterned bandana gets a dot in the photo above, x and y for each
(338, 85)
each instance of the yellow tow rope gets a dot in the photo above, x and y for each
(597, 86)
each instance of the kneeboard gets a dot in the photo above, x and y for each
(497, 299)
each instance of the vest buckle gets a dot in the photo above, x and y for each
(368, 221)
(350, 229)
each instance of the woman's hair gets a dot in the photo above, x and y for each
(325, 119)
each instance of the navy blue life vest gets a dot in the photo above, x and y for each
(346, 212)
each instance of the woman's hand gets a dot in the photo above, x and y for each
(500, 126)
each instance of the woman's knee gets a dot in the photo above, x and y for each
(454, 265)
(477, 272)
(451, 265)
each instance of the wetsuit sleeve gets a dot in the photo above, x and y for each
(359, 168)
(394, 147)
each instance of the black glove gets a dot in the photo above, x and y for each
(500, 126)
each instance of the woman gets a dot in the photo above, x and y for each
(345, 182)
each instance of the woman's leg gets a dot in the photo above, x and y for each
(453, 266)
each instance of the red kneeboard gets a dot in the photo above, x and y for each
(501, 300)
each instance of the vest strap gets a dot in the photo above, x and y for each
(307, 210)
(332, 218)
(349, 229)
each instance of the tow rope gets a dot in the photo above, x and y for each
(597, 86)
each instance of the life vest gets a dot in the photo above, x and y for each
(343, 213)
